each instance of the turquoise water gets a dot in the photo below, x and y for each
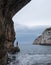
(33, 55)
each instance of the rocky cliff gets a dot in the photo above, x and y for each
(8, 8)
(38, 40)
(45, 38)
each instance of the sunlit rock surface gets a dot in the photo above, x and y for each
(38, 40)
(45, 38)
(8, 9)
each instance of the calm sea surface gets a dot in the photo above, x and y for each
(32, 55)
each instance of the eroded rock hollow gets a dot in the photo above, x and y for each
(8, 9)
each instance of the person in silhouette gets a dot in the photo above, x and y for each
(17, 43)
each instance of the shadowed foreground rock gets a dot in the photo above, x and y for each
(14, 50)
(8, 9)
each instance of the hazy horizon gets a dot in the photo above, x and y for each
(25, 35)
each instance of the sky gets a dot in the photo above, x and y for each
(29, 21)
(35, 13)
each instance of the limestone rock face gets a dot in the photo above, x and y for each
(8, 9)
(7, 37)
(45, 38)
(38, 40)
(3, 60)
(11, 6)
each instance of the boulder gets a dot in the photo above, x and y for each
(14, 50)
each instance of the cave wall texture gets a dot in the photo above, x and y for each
(8, 8)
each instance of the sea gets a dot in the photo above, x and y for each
(32, 55)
